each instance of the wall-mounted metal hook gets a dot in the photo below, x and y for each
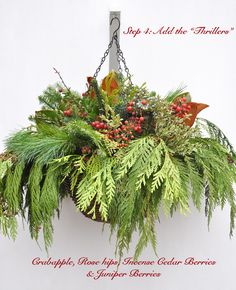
(118, 28)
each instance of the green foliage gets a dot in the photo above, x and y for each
(44, 145)
(130, 92)
(47, 116)
(172, 129)
(124, 181)
(218, 173)
(11, 194)
(100, 100)
(51, 142)
(4, 165)
(80, 131)
(8, 203)
(58, 99)
(147, 169)
(90, 106)
(43, 199)
(34, 192)
(150, 174)
(196, 182)
(55, 100)
(216, 133)
(172, 96)
(49, 202)
(97, 184)
(51, 98)
(8, 226)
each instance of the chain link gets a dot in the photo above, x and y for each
(121, 58)
(119, 55)
(103, 58)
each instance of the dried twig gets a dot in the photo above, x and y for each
(58, 73)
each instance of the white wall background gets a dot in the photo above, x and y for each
(72, 36)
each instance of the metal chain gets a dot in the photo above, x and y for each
(120, 58)
(103, 58)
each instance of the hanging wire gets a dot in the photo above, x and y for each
(119, 53)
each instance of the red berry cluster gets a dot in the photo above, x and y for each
(86, 149)
(68, 113)
(135, 123)
(130, 108)
(128, 128)
(144, 102)
(181, 107)
(83, 114)
(99, 125)
(123, 134)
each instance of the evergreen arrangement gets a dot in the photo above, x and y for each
(122, 154)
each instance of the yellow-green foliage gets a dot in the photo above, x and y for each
(163, 168)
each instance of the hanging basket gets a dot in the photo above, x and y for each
(121, 152)
(94, 217)
(97, 215)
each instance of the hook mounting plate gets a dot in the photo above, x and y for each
(113, 63)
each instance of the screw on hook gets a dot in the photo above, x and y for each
(117, 29)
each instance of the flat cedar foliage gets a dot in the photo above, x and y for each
(122, 154)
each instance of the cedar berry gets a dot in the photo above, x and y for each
(68, 113)
(144, 102)
(141, 119)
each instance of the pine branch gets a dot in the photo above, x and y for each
(178, 93)
(46, 145)
(51, 98)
